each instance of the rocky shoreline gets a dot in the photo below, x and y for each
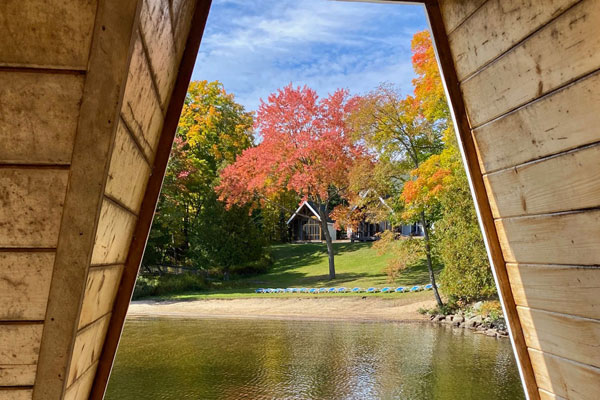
(478, 324)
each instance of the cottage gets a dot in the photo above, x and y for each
(305, 224)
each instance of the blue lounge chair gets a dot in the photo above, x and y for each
(387, 290)
(303, 290)
(399, 289)
(428, 287)
(341, 290)
(260, 290)
(372, 290)
(289, 290)
(313, 290)
(280, 290)
(356, 290)
(331, 290)
(323, 290)
(415, 288)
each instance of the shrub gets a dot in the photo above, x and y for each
(167, 284)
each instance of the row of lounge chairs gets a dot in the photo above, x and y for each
(387, 289)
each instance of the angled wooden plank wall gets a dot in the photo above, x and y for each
(85, 88)
(528, 73)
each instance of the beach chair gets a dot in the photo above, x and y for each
(280, 290)
(303, 290)
(341, 290)
(415, 288)
(399, 289)
(331, 290)
(313, 290)
(323, 290)
(372, 290)
(289, 290)
(428, 287)
(356, 290)
(387, 290)
(259, 290)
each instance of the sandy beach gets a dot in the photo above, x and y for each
(344, 309)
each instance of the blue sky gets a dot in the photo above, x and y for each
(257, 46)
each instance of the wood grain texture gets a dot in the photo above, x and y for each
(107, 67)
(38, 117)
(566, 336)
(17, 374)
(113, 236)
(46, 33)
(567, 182)
(182, 13)
(545, 395)
(19, 343)
(497, 26)
(24, 285)
(128, 171)
(141, 110)
(157, 32)
(454, 12)
(564, 289)
(80, 389)
(565, 378)
(87, 348)
(100, 291)
(554, 56)
(15, 394)
(568, 238)
(555, 123)
(31, 204)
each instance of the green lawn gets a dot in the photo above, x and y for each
(306, 265)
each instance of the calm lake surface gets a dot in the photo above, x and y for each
(263, 359)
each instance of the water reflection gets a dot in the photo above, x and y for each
(260, 359)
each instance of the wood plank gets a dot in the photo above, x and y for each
(565, 378)
(480, 197)
(564, 289)
(100, 291)
(113, 236)
(157, 32)
(80, 389)
(46, 33)
(563, 183)
(106, 74)
(497, 26)
(87, 348)
(38, 117)
(19, 343)
(454, 12)
(24, 285)
(568, 238)
(15, 394)
(562, 51)
(566, 336)
(128, 171)
(183, 11)
(146, 213)
(17, 375)
(555, 123)
(141, 110)
(545, 395)
(31, 203)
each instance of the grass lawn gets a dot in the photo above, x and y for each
(306, 265)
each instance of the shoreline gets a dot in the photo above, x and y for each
(301, 309)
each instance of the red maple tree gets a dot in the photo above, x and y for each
(305, 148)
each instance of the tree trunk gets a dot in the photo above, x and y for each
(438, 299)
(329, 242)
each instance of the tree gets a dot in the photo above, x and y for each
(305, 149)
(191, 227)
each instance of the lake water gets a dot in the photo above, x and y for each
(266, 359)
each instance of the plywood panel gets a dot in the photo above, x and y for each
(567, 238)
(38, 116)
(80, 389)
(87, 348)
(140, 108)
(31, 202)
(46, 33)
(157, 31)
(565, 378)
(183, 11)
(15, 394)
(455, 12)
(555, 123)
(100, 291)
(113, 236)
(552, 57)
(17, 375)
(563, 335)
(24, 285)
(128, 171)
(569, 289)
(496, 27)
(19, 343)
(545, 395)
(563, 183)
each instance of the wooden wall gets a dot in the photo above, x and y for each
(84, 88)
(529, 76)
